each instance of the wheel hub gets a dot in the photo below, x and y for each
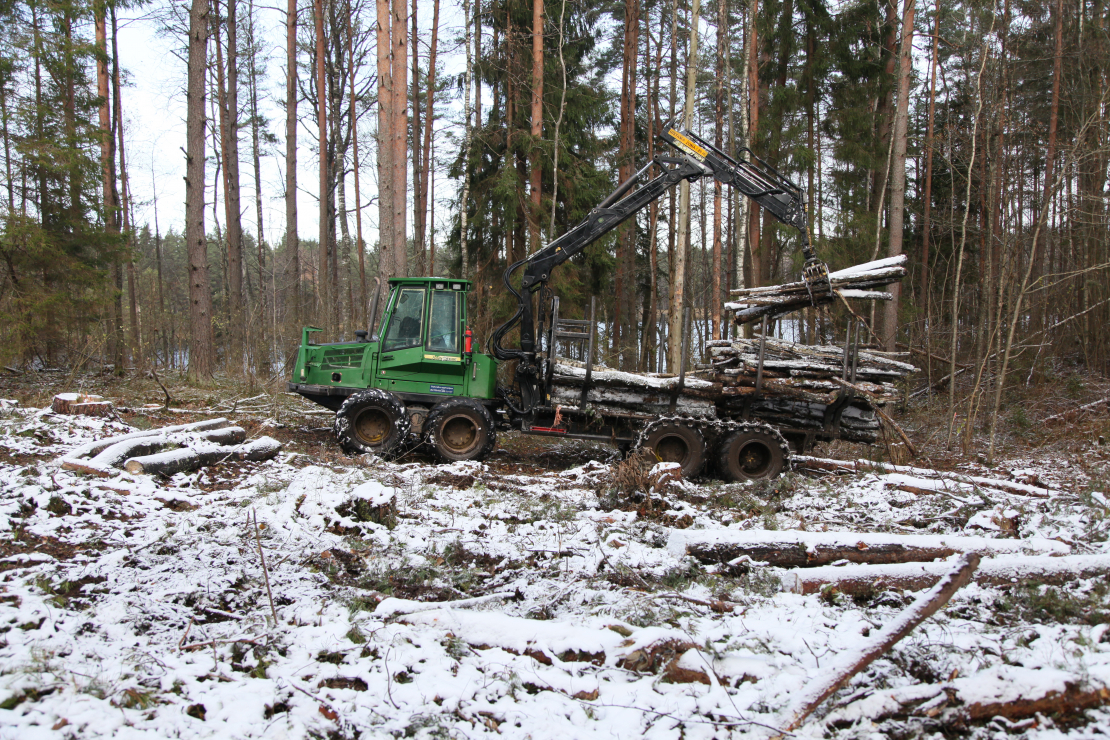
(459, 434)
(755, 459)
(373, 426)
(671, 448)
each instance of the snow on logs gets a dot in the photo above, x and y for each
(858, 281)
(795, 549)
(200, 443)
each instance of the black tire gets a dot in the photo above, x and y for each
(750, 455)
(372, 421)
(460, 429)
(677, 441)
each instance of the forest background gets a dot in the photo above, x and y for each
(971, 136)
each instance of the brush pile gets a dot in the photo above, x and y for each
(801, 381)
(859, 281)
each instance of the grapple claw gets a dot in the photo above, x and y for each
(814, 273)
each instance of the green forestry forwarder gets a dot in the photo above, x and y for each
(421, 380)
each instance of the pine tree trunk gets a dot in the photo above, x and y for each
(718, 141)
(363, 306)
(464, 205)
(128, 225)
(418, 217)
(201, 345)
(898, 174)
(426, 149)
(400, 140)
(678, 288)
(754, 264)
(229, 140)
(323, 283)
(292, 245)
(536, 171)
(926, 286)
(623, 307)
(386, 261)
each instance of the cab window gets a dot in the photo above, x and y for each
(443, 327)
(404, 327)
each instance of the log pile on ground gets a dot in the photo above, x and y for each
(859, 281)
(169, 450)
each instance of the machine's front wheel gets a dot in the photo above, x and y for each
(680, 442)
(372, 420)
(460, 429)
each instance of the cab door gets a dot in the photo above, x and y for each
(420, 351)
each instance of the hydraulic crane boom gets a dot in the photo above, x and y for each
(753, 177)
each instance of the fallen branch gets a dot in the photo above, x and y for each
(859, 580)
(795, 549)
(849, 663)
(157, 380)
(392, 607)
(265, 572)
(1070, 416)
(804, 462)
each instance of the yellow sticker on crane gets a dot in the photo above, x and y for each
(686, 144)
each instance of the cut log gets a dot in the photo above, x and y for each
(859, 580)
(819, 464)
(795, 549)
(187, 459)
(75, 404)
(92, 448)
(850, 662)
(1043, 691)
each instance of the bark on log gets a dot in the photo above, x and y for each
(848, 664)
(104, 463)
(75, 404)
(795, 549)
(999, 571)
(187, 459)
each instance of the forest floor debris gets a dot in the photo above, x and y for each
(137, 604)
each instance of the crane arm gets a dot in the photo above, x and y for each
(753, 177)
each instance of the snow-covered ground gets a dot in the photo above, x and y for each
(132, 606)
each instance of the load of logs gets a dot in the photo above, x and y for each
(631, 394)
(858, 281)
(798, 382)
(174, 449)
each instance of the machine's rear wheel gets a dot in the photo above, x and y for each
(372, 420)
(460, 429)
(676, 441)
(750, 455)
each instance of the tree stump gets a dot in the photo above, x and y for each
(80, 404)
